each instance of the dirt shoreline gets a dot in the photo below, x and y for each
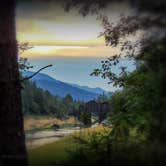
(39, 138)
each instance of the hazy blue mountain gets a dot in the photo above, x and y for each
(89, 89)
(56, 87)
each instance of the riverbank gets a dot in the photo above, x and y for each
(40, 130)
(36, 139)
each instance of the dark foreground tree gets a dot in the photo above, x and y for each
(12, 139)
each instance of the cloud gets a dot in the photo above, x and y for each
(71, 51)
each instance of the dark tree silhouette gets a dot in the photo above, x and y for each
(12, 139)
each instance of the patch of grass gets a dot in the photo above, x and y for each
(56, 154)
(51, 154)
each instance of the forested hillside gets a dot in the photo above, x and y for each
(36, 101)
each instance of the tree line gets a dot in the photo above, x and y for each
(37, 101)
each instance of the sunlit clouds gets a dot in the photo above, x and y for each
(70, 51)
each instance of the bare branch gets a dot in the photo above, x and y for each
(27, 78)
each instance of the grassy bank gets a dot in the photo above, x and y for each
(57, 153)
(51, 154)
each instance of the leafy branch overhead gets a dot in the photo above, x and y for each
(149, 18)
(121, 35)
(93, 6)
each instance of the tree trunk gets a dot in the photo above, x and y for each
(12, 138)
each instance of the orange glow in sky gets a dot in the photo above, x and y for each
(70, 51)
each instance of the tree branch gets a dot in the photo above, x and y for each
(27, 78)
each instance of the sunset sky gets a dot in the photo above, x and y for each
(56, 32)
(65, 39)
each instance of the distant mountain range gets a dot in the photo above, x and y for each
(56, 87)
(89, 89)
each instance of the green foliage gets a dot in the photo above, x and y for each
(94, 149)
(85, 118)
(138, 117)
(24, 64)
(141, 102)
